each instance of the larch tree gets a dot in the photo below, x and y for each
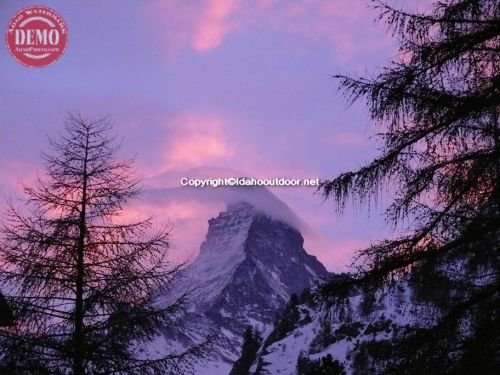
(79, 278)
(437, 106)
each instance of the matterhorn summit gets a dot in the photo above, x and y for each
(248, 267)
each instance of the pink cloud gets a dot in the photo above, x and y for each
(183, 25)
(212, 26)
(187, 220)
(200, 25)
(15, 173)
(194, 141)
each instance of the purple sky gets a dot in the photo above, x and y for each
(240, 85)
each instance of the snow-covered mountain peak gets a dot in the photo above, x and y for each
(243, 236)
(221, 252)
(248, 267)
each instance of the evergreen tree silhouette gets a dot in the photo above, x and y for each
(437, 107)
(81, 279)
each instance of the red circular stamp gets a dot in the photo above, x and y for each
(36, 36)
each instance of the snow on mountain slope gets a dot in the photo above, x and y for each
(248, 267)
(341, 329)
(220, 254)
(372, 329)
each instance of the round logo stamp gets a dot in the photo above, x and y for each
(36, 36)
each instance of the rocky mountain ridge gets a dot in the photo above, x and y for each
(248, 267)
